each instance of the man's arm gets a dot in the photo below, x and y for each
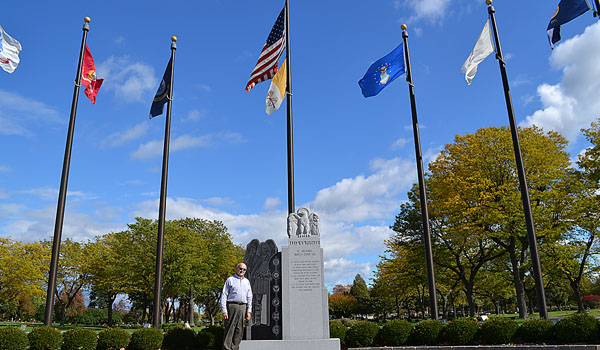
(224, 295)
(248, 302)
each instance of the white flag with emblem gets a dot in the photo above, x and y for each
(276, 92)
(9, 51)
(483, 48)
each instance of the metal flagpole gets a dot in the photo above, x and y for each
(163, 198)
(422, 189)
(531, 237)
(290, 124)
(62, 194)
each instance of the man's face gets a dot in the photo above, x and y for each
(241, 270)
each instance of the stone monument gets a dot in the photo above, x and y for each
(264, 272)
(305, 309)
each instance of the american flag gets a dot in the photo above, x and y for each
(266, 67)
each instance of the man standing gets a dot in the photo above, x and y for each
(236, 302)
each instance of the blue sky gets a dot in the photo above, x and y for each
(354, 157)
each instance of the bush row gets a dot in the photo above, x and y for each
(578, 328)
(174, 338)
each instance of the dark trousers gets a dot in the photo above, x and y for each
(234, 326)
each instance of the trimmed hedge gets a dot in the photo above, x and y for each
(498, 330)
(210, 338)
(427, 332)
(113, 339)
(362, 333)
(12, 338)
(395, 332)
(537, 331)
(146, 339)
(461, 331)
(179, 338)
(44, 338)
(337, 330)
(576, 328)
(79, 339)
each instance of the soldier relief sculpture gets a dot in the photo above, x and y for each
(258, 257)
(303, 224)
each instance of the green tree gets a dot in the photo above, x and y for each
(360, 292)
(475, 189)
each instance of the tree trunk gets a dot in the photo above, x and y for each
(578, 298)
(519, 288)
(111, 301)
(191, 314)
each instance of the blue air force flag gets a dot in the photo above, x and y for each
(383, 72)
(9, 52)
(566, 11)
(162, 95)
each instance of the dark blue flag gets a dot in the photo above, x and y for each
(162, 95)
(566, 11)
(383, 72)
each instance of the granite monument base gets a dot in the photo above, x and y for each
(304, 344)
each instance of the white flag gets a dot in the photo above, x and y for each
(483, 48)
(9, 51)
(276, 92)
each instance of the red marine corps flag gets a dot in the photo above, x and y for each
(88, 76)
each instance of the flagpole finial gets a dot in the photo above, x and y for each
(87, 20)
(489, 2)
(174, 38)
(403, 27)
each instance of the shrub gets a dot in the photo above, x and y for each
(179, 338)
(337, 330)
(362, 333)
(576, 328)
(428, 332)
(461, 331)
(395, 332)
(113, 339)
(537, 331)
(146, 339)
(44, 338)
(591, 301)
(498, 330)
(210, 337)
(347, 322)
(79, 339)
(12, 338)
(93, 316)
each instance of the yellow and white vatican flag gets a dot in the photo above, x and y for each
(483, 48)
(276, 92)
(9, 51)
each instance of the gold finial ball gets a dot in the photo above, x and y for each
(87, 20)
(173, 38)
(489, 2)
(403, 27)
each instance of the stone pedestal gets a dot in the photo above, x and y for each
(305, 307)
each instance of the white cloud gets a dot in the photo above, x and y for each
(34, 225)
(130, 80)
(342, 271)
(219, 201)
(20, 114)
(205, 87)
(400, 143)
(573, 103)
(432, 10)
(119, 138)
(196, 114)
(51, 194)
(3, 194)
(370, 197)
(4, 169)
(155, 148)
(271, 203)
